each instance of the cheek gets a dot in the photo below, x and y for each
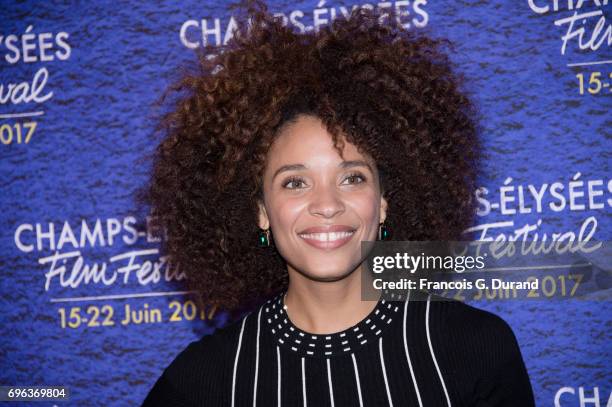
(366, 206)
(285, 213)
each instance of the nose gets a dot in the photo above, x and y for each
(326, 202)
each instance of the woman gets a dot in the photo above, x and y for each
(283, 154)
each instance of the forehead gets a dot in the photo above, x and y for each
(307, 141)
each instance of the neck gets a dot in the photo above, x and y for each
(324, 307)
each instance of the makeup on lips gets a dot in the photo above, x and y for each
(327, 237)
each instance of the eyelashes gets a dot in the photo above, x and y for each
(358, 176)
(292, 180)
(296, 180)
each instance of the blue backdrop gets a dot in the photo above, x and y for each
(77, 83)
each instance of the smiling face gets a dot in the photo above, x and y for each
(318, 205)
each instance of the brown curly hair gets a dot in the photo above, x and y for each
(391, 92)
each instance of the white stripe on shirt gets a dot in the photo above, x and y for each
(329, 381)
(256, 358)
(236, 360)
(432, 352)
(382, 363)
(357, 379)
(278, 363)
(416, 386)
(304, 381)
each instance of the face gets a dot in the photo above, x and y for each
(318, 205)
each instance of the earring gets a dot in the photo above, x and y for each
(264, 238)
(383, 232)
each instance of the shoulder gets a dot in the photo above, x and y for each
(200, 371)
(479, 338)
(484, 344)
(480, 345)
(211, 353)
(460, 318)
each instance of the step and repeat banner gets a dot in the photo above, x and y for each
(88, 302)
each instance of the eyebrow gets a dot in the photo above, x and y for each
(343, 164)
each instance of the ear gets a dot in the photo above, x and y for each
(383, 208)
(264, 221)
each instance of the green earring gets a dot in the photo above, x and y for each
(383, 232)
(264, 238)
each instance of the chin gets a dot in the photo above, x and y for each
(327, 277)
(327, 272)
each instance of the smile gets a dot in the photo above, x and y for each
(329, 240)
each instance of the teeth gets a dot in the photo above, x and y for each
(326, 237)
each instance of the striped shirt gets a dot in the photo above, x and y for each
(415, 352)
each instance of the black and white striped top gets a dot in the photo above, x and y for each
(416, 352)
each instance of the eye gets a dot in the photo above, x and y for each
(355, 178)
(293, 183)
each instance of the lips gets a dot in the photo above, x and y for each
(328, 228)
(327, 237)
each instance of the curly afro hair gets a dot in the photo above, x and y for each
(391, 92)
